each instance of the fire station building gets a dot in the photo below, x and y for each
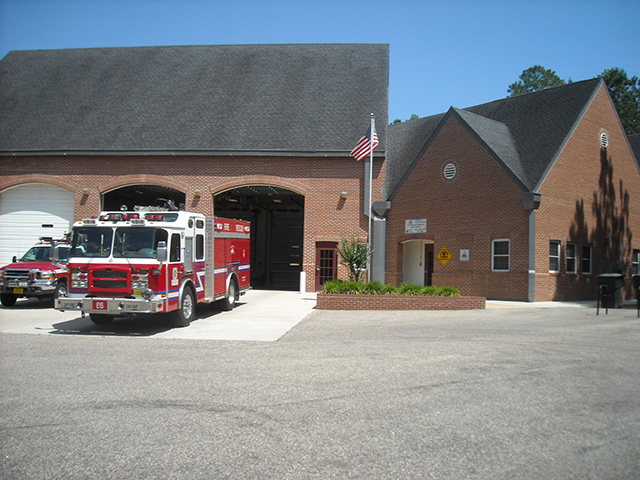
(258, 132)
(525, 198)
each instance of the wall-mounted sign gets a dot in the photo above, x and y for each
(444, 256)
(464, 254)
(415, 225)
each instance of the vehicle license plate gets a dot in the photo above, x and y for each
(100, 305)
(18, 290)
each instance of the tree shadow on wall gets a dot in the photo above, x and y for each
(611, 235)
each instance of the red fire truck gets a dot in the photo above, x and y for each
(155, 261)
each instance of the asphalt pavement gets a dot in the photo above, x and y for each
(510, 392)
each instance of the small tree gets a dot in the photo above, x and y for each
(354, 255)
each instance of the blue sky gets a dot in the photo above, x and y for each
(442, 53)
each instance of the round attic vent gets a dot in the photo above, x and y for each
(450, 171)
(604, 139)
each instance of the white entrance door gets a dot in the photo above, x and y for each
(417, 262)
(31, 211)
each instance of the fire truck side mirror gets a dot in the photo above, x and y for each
(161, 253)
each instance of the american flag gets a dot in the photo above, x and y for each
(364, 148)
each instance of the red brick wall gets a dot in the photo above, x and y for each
(483, 203)
(479, 205)
(397, 302)
(569, 211)
(320, 180)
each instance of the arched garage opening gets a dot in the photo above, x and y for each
(277, 222)
(142, 195)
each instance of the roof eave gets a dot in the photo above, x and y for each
(182, 153)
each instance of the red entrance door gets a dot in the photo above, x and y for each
(326, 263)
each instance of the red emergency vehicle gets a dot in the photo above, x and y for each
(155, 261)
(40, 273)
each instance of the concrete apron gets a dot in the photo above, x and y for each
(260, 315)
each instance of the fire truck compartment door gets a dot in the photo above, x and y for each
(188, 254)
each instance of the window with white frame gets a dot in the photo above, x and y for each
(500, 253)
(571, 253)
(635, 262)
(554, 256)
(587, 253)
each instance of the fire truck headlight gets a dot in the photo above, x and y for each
(147, 294)
(140, 281)
(79, 280)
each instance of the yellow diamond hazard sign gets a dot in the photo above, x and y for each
(444, 256)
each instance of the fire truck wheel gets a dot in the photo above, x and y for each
(101, 319)
(232, 295)
(186, 311)
(61, 290)
(8, 300)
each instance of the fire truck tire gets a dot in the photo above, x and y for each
(186, 310)
(101, 319)
(8, 300)
(61, 290)
(232, 295)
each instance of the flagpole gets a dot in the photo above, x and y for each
(369, 209)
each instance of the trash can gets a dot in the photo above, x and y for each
(610, 289)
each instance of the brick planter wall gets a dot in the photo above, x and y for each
(397, 302)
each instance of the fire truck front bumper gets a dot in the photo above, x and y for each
(111, 306)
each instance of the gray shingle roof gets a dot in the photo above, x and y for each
(308, 98)
(634, 141)
(525, 132)
(406, 142)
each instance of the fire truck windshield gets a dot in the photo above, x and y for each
(91, 242)
(124, 242)
(137, 242)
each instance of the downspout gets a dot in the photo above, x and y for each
(379, 254)
(531, 202)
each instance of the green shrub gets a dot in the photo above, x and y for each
(352, 288)
(430, 291)
(448, 291)
(333, 286)
(372, 288)
(410, 289)
(377, 288)
(389, 290)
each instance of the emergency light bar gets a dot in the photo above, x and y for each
(118, 217)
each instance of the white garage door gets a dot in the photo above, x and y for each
(31, 211)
